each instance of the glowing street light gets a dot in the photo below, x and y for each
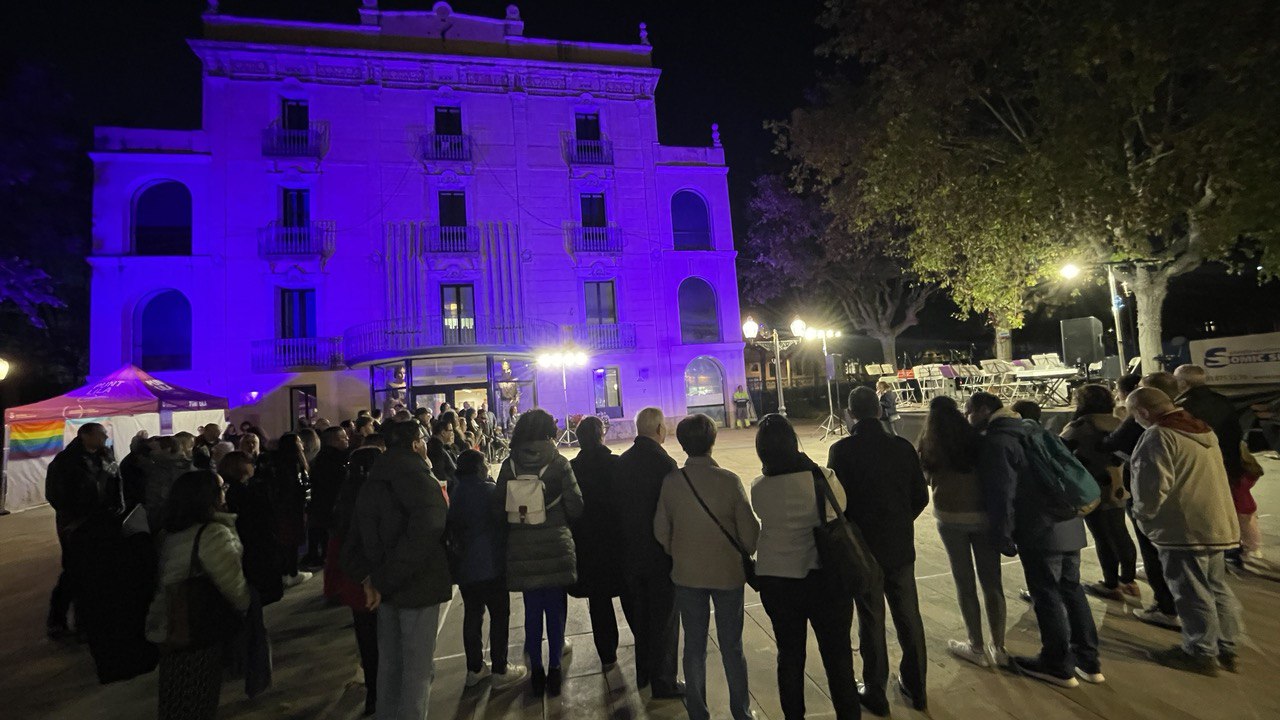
(4, 368)
(564, 359)
(1070, 271)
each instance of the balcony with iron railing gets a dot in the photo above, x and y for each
(587, 152)
(453, 239)
(309, 142)
(438, 146)
(433, 335)
(296, 354)
(608, 336)
(315, 240)
(594, 239)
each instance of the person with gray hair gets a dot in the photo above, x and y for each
(1196, 397)
(705, 523)
(1183, 503)
(649, 599)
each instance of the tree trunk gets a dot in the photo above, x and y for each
(1150, 288)
(888, 348)
(1004, 342)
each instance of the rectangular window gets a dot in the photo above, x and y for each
(586, 126)
(457, 311)
(453, 208)
(297, 313)
(608, 391)
(448, 121)
(294, 115)
(600, 305)
(296, 208)
(592, 209)
(304, 404)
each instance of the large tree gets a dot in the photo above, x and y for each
(1012, 135)
(795, 251)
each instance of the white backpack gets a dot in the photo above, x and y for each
(526, 498)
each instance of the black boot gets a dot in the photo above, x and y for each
(554, 680)
(538, 681)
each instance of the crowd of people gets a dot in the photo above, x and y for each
(399, 511)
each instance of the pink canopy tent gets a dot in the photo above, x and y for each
(125, 402)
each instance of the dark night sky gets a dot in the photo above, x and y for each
(741, 63)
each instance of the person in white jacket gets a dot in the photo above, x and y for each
(1182, 502)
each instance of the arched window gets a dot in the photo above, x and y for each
(704, 388)
(690, 223)
(162, 220)
(162, 332)
(699, 321)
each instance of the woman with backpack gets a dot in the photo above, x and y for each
(949, 457)
(539, 497)
(1093, 421)
(199, 569)
(794, 588)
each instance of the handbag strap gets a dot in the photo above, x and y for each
(823, 495)
(195, 553)
(729, 536)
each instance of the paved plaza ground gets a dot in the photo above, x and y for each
(315, 653)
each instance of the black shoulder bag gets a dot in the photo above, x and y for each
(748, 563)
(844, 554)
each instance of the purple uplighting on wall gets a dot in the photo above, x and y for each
(391, 213)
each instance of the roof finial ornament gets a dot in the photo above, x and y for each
(644, 33)
(513, 12)
(715, 134)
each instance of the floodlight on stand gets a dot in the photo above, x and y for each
(798, 327)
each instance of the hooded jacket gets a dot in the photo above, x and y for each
(1016, 498)
(1221, 415)
(541, 556)
(1181, 498)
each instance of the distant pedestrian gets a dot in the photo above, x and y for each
(882, 478)
(345, 559)
(888, 407)
(704, 522)
(741, 408)
(649, 601)
(1048, 548)
(596, 537)
(949, 457)
(290, 492)
(794, 588)
(248, 499)
(327, 475)
(1182, 500)
(539, 496)
(442, 453)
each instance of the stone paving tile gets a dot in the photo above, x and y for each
(316, 663)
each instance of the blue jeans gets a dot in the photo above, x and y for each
(694, 605)
(1207, 608)
(1068, 637)
(406, 660)
(553, 604)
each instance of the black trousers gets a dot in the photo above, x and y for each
(1116, 553)
(366, 626)
(899, 591)
(650, 608)
(490, 595)
(317, 543)
(793, 604)
(604, 628)
(63, 591)
(1155, 572)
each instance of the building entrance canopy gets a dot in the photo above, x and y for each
(503, 382)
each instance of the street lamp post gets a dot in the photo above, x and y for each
(832, 425)
(564, 360)
(751, 331)
(1070, 271)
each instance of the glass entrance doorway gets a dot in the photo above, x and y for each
(458, 396)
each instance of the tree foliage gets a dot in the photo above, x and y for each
(28, 288)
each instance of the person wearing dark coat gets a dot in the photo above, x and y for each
(327, 475)
(1214, 409)
(1049, 549)
(395, 546)
(290, 489)
(649, 599)
(248, 499)
(442, 454)
(349, 591)
(133, 472)
(477, 538)
(886, 492)
(596, 537)
(540, 558)
(81, 484)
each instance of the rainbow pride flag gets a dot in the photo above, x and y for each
(34, 439)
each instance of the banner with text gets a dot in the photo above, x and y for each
(1242, 360)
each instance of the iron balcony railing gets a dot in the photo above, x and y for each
(455, 239)
(595, 239)
(316, 239)
(436, 146)
(588, 152)
(391, 337)
(312, 141)
(295, 354)
(610, 336)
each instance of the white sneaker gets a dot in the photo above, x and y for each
(295, 580)
(966, 651)
(1095, 678)
(568, 649)
(514, 675)
(475, 678)
(998, 655)
(1153, 616)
